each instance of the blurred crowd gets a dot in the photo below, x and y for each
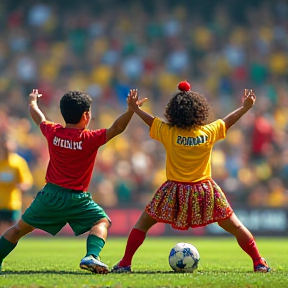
(107, 47)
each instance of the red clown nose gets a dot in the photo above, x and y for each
(184, 86)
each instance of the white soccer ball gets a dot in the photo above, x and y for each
(184, 257)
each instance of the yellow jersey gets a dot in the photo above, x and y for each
(13, 171)
(188, 153)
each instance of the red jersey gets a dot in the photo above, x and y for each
(72, 154)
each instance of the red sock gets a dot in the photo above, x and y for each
(135, 239)
(250, 248)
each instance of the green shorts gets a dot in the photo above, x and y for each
(54, 207)
(7, 215)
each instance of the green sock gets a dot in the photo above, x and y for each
(94, 245)
(5, 248)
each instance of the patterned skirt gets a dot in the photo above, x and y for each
(185, 205)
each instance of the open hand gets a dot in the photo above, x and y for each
(249, 98)
(34, 95)
(132, 100)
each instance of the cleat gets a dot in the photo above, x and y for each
(121, 269)
(261, 266)
(94, 265)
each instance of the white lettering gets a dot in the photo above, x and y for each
(68, 144)
(191, 141)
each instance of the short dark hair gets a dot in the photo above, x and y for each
(187, 109)
(73, 104)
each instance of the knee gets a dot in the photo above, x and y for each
(231, 225)
(20, 229)
(103, 223)
(238, 226)
(17, 229)
(145, 223)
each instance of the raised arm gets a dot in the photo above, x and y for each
(122, 121)
(34, 110)
(233, 117)
(135, 104)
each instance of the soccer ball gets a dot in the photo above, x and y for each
(184, 257)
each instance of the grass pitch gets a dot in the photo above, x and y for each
(54, 262)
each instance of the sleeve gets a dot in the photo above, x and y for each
(157, 129)
(217, 130)
(46, 127)
(99, 136)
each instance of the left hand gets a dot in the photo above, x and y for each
(33, 96)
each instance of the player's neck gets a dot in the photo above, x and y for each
(75, 126)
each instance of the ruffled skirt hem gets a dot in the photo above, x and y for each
(189, 205)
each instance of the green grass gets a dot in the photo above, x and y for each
(53, 262)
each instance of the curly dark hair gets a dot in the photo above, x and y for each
(73, 104)
(187, 109)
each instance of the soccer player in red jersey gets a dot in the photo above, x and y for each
(65, 197)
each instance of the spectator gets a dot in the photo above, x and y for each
(220, 49)
(15, 178)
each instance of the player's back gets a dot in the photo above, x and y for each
(188, 152)
(72, 154)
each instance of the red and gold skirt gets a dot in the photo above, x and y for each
(185, 205)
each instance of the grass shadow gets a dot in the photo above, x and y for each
(57, 272)
(196, 272)
(65, 272)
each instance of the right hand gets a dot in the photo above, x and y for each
(249, 98)
(132, 100)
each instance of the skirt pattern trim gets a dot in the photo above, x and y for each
(189, 205)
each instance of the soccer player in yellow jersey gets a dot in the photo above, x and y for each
(15, 178)
(190, 198)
